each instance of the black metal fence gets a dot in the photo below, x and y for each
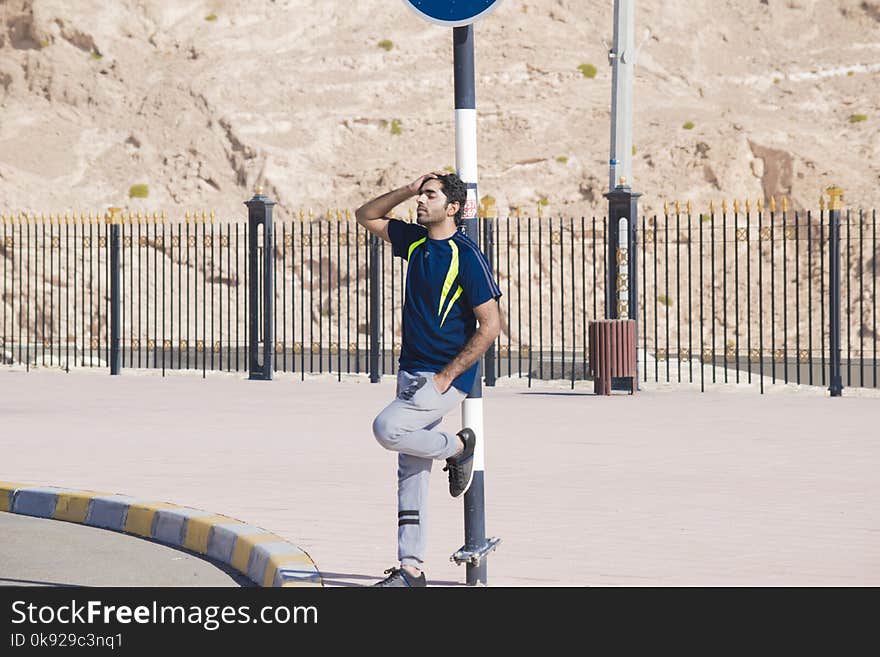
(723, 296)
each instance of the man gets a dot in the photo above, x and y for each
(449, 288)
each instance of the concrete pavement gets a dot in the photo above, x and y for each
(668, 487)
(43, 552)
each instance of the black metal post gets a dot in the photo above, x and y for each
(374, 293)
(115, 292)
(260, 212)
(622, 203)
(489, 251)
(836, 384)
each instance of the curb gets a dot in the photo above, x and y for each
(264, 558)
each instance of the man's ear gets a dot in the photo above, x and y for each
(452, 208)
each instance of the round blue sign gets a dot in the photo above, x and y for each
(452, 13)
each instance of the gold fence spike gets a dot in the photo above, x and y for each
(724, 205)
(186, 216)
(711, 207)
(665, 207)
(760, 205)
(213, 215)
(835, 198)
(518, 212)
(163, 216)
(540, 213)
(821, 202)
(311, 214)
(735, 206)
(302, 215)
(4, 218)
(347, 214)
(690, 208)
(785, 204)
(772, 204)
(66, 218)
(677, 207)
(131, 217)
(155, 218)
(748, 205)
(329, 214)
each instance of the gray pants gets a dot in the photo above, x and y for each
(406, 426)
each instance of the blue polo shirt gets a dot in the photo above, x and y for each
(445, 280)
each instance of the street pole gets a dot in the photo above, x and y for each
(621, 284)
(476, 546)
(622, 60)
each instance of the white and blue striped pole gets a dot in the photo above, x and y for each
(460, 16)
(472, 408)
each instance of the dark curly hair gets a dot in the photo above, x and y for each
(455, 191)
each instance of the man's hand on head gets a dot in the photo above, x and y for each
(416, 185)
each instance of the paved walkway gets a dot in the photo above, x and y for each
(668, 487)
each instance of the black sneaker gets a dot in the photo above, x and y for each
(461, 466)
(399, 578)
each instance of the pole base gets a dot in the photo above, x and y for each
(475, 556)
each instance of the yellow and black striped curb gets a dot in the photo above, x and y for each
(263, 557)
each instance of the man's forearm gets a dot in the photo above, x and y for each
(382, 205)
(480, 341)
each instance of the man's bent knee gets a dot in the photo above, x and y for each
(385, 432)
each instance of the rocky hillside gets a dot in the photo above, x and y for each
(326, 103)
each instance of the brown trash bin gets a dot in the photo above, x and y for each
(612, 353)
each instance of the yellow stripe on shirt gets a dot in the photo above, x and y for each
(451, 303)
(450, 278)
(412, 247)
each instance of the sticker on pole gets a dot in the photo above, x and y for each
(470, 205)
(452, 14)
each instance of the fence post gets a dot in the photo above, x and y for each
(489, 252)
(114, 219)
(623, 203)
(375, 293)
(834, 291)
(260, 212)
